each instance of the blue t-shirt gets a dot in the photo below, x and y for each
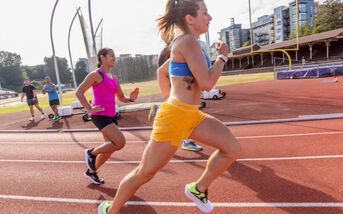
(51, 90)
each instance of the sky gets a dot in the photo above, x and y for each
(129, 26)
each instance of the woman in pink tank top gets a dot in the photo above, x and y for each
(103, 111)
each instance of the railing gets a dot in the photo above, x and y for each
(317, 64)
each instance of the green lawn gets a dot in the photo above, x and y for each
(146, 88)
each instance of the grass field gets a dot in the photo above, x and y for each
(146, 88)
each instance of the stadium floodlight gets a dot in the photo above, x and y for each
(71, 60)
(277, 50)
(53, 53)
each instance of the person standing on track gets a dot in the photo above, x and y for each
(31, 98)
(105, 87)
(180, 117)
(54, 101)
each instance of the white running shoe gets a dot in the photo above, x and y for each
(32, 119)
(42, 117)
(199, 198)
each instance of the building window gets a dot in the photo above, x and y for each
(302, 8)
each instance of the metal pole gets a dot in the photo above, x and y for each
(91, 24)
(54, 55)
(297, 21)
(251, 30)
(97, 28)
(71, 60)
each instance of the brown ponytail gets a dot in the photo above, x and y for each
(174, 14)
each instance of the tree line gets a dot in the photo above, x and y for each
(13, 73)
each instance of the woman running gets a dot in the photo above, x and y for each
(105, 87)
(180, 118)
(188, 144)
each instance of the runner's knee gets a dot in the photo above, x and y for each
(146, 174)
(233, 150)
(118, 143)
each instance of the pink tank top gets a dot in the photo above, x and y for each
(104, 95)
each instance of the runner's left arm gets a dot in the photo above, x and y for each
(122, 98)
(163, 79)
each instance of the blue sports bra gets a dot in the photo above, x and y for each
(181, 69)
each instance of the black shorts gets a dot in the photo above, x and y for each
(54, 102)
(31, 102)
(101, 121)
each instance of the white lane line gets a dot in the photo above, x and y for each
(293, 158)
(66, 143)
(83, 162)
(172, 204)
(178, 161)
(145, 141)
(292, 135)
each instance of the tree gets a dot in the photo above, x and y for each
(64, 71)
(11, 76)
(304, 30)
(330, 16)
(80, 71)
(36, 72)
(135, 69)
(247, 43)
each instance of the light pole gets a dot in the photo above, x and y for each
(53, 53)
(208, 45)
(71, 60)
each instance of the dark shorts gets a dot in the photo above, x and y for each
(101, 121)
(54, 102)
(32, 102)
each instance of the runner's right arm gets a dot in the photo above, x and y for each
(22, 96)
(91, 79)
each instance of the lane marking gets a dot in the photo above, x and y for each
(66, 143)
(292, 135)
(145, 141)
(173, 204)
(178, 161)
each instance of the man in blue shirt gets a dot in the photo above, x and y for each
(50, 88)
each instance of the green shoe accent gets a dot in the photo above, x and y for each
(56, 119)
(201, 195)
(105, 207)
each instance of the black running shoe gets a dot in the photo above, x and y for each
(90, 159)
(93, 177)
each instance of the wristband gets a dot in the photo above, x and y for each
(223, 57)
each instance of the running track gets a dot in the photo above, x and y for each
(287, 168)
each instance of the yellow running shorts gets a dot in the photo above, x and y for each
(175, 121)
